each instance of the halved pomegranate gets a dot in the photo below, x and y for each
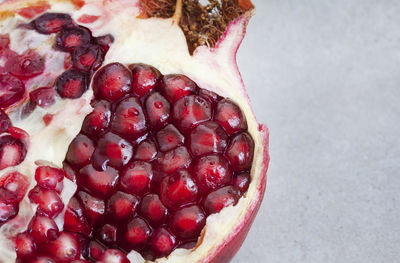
(162, 158)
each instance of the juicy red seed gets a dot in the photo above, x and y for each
(129, 119)
(34, 10)
(174, 160)
(5, 121)
(80, 151)
(43, 97)
(11, 90)
(219, 199)
(18, 133)
(212, 172)
(59, 187)
(169, 138)
(43, 229)
(95, 250)
(80, 261)
(146, 151)
(241, 182)
(99, 183)
(72, 84)
(98, 120)
(187, 222)
(48, 177)
(230, 117)
(162, 242)
(87, 19)
(240, 152)
(209, 95)
(49, 202)
(70, 173)
(111, 150)
(65, 248)
(72, 38)
(157, 108)
(51, 22)
(121, 206)
(112, 82)
(4, 41)
(16, 184)
(75, 219)
(24, 245)
(43, 260)
(12, 151)
(136, 178)
(113, 256)
(145, 78)
(177, 86)
(47, 118)
(137, 233)
(87, 58)
(94, 207)
(108, 234)
(7, 211)
(104, 42)
(27, 65)
(178, 189)
(208, 137)
(190, 111)
(7, 197)
(152, 209)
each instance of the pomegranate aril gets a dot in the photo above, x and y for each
(209, 95)
(80, 261)
(7, 198)
(72, 38)
(208, 137)
(59, 187)
(25, 246)
(223, 197)
(169, 138)
(4, 41)
(230, 117)
(72, 84)
(65, 248)
(187, 222)
(111, 150)
(240, 152)
(95, 250)
(121, 206)
(112, 82)
(80, 151)
(7, 211)
(87, 58)
(129, 119)
(241, 182)
(5, 121)
(162, 242)
(145, 78)
(190, 111)
(49, 202)
(43, 97)
(174, 160)
(175, 87)
(43, 229)
(99, 183)
(136, 178)
(98, 120)
(94, 207)
(146, 151)
(42, 259)
(108, 234)
(33, 10)
(12, 90)
(70, 172)
(75, 219)
(212, 172)
(52, 22)
(12, 151)
(137, 233)
(48, 177)
(158, 109)
(152, 209)
(178, 189)
(27, 65)
(113, 256)
(16, 184)
(104, 42)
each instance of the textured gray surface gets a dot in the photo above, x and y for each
(325, 77)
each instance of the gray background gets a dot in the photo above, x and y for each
(325, 77)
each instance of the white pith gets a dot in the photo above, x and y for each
(160, 43)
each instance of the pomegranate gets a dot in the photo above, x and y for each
(129, 137)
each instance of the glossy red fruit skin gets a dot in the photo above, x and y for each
(145, 78)
(49, 202)
(176, 86)
(187, 222)
(137, 233)
(113, 256)
(153, 209)
(70, 39)
(75, 219)
(230, 116)
(99, 183)
(27, 65)
(5, 121)
(87, 58)
(65, 248)
(80, 151)
(217, 200)
(48, 177)
(43, 97)
(95, 250)
(72, 84)
(136, 178)
(208, 137)
(162, 242)
(158, 110)
(129, 119)
(43, 229)
(121, 206)
(12, 90)
(240, 152)
(94, 207)
(98, 120)
(51, 22)
(24, 246)
(15, 183)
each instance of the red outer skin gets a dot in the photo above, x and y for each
(227, 250)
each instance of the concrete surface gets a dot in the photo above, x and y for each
(325, 76)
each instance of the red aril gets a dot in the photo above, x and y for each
(48, 201)
(25, 246)
(72, 38)
(162, 242)
(48, 177)
(43, 97)
(145, 78)
(98, 120)
(43, 229)
(217, 200)
(153, 209)
(99, 183)
(27, 65)
(137, 233)
(230, 116)
(113, 256)
(52, 22)
(65, 248)
(240, 152)
(75, 218)
(121, 206)
(72, 84)
(169, 138)
(12, 90)
(187, 222)
(129, 119)
(5, 121)
(108, 234)
(177, 86)
(136, 178)
(87, 57)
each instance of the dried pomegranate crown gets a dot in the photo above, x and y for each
(128, 137)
